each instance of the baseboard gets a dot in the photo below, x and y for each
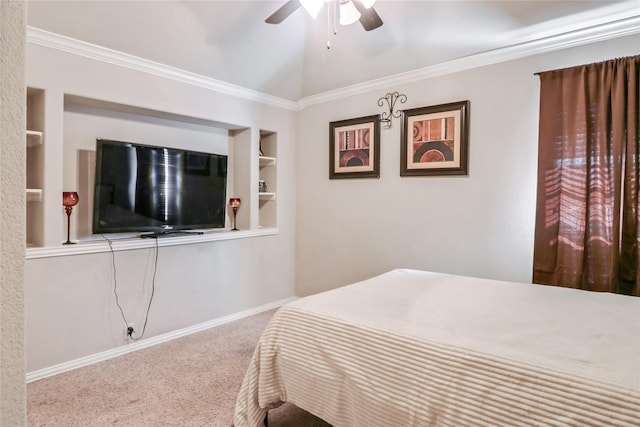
(139, 345)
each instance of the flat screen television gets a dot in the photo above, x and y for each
(142, 188)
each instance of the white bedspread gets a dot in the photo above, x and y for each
(413, 348)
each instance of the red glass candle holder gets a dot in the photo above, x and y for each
(234, 202)
(69, 200)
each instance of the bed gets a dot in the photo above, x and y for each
(415, 348)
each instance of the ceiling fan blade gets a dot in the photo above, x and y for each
(285, 10)
(369, 18)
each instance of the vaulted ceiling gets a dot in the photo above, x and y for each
(229, 40)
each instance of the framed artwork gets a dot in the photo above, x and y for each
(435, 140)
(354, 148)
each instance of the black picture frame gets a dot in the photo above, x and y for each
(434, 140)
(354, 148)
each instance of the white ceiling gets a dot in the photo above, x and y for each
(229, 40)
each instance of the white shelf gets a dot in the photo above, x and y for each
(270, 196)
(34, 137)
(34, 195)
(124, 244)
(267, 161)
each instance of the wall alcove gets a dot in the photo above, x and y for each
(85, 120)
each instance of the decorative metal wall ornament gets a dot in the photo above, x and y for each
(390, 99)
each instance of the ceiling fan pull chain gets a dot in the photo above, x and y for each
(331, 22)
(328, 27)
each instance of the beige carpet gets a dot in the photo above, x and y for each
(191, 381)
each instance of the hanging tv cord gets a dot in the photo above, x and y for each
(130, 330)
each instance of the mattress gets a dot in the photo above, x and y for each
(415, 348)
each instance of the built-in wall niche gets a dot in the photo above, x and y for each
(70, 166)
(268, 178)
(86, 120)
(35, 167)
(72, 160)
(244, 174)
(255, 161)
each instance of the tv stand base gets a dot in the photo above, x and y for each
(176, 233)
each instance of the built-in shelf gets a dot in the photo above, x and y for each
(267, 195)
(34, 137)
(34, 195)
(34, 142)
(268, 172)
(100, 244)
(265, 160)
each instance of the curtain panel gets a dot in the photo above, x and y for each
(587, 200)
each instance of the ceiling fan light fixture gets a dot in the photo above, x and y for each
(312, 7)
(348, 13)
(368, 4)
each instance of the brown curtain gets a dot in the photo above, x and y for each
(587, 208)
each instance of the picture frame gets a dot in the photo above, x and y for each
(354, 148)
(435, 140)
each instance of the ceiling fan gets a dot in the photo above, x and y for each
(349, 10)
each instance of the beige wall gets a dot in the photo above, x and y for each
(477, 225)
(71, 311)
(12, 212)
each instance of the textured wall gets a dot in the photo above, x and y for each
(12, 212)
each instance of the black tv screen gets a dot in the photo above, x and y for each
(147, 188)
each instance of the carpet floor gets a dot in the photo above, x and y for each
(191, 381)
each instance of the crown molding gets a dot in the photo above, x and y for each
(100, 53)
(619, 28)
(623, 21)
